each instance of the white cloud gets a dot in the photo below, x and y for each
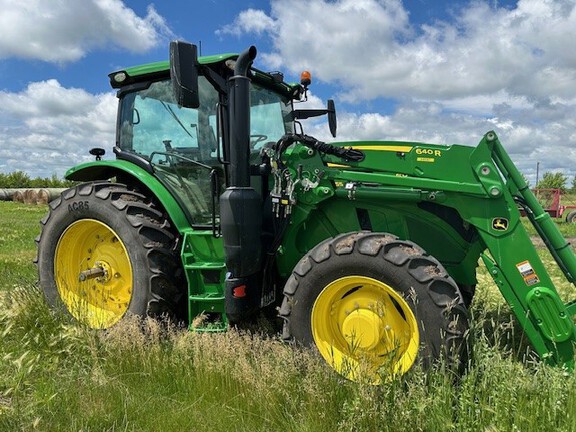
(250, 20)
(372, 49)
(66, 30)
(46, 128)
(508, 69)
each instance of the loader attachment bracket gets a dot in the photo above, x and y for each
(550, 314)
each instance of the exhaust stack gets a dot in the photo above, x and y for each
(240, 204)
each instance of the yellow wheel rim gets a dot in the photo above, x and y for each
(363, 327)
(93, 273)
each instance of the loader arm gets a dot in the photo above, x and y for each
(518, 271)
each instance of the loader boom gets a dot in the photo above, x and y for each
(548, 321)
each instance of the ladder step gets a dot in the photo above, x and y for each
(206, 266)
(206, 298)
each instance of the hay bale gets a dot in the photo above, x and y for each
(48, 194)
(7, 194)
(18, 196)
(42, 197)
(30, 196)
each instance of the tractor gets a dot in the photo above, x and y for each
(218, 206)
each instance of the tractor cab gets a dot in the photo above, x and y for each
(186, 147)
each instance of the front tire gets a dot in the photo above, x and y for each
(105, 252)
(571, 217)
(373, 304)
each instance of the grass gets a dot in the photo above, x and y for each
(19, 226)
(137, 377)
(148, 376)
(568, 230)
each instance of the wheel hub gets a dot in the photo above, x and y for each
(363, 328)
(101, 272)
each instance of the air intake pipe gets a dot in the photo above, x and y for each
(240, 204)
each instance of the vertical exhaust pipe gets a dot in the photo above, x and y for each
(240, 204)
(239, 109)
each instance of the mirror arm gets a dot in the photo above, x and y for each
(307, 113)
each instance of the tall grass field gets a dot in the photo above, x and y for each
(58, 376)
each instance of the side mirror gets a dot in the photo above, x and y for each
(184, 73)
(331, 108)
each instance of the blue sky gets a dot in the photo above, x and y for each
(432, 71)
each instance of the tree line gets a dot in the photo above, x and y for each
(552, 180)
(19, 179)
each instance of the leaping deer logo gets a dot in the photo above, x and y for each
(500, 224)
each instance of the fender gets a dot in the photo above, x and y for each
(103, 170)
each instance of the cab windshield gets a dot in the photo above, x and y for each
(181, 143)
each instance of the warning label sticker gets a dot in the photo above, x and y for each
(527, 272)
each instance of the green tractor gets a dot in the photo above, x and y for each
(219, 206)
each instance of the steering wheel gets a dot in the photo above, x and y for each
(255, 139)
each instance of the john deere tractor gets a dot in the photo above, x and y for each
(218, 205)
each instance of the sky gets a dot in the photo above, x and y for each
(417, 70)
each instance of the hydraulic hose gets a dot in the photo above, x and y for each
(346, 153)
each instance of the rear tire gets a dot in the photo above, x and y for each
(571, 218)
(467, 292)
(106, 252)
(373, 304)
